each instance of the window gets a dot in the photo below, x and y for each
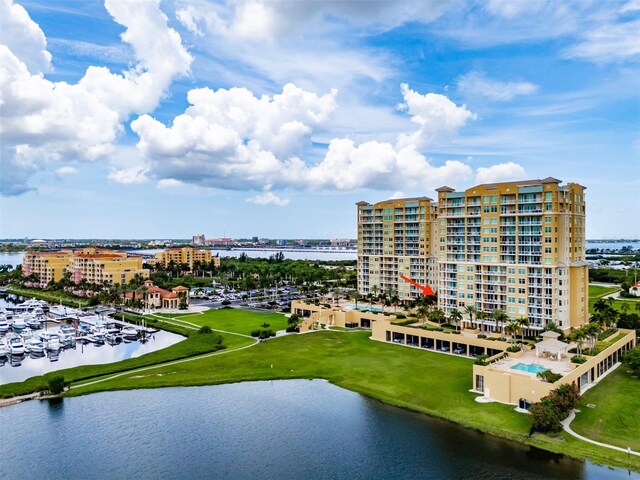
(548, 196)
(494, 199)
(547, 229)
(485, 199)
(511, 270)
(548, 206)
(547, 219)
(521, 271)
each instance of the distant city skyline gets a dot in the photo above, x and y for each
(154, 120)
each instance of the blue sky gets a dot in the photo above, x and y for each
(163, 119)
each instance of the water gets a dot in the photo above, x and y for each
(82, 355)
(529, 368)
(293, 429)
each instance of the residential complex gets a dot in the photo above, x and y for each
(152, 297)
(518, 247)
(90, 264)
(185, 256)
(396, 238)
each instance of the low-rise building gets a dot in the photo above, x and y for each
(90, 264)
(185, 256)
(152, 297)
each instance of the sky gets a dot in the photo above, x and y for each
(165, 119)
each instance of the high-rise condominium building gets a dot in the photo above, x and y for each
(518, 247)
(396, 237)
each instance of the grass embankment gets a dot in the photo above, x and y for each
(232, 320)
(423, 381)
(615, 419)
(598, 291)
(53, 297)
(194, 344)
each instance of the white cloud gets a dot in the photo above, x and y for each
(397, 194)
(502, 172)
(68, 170)
(613, 42)
(477, 84)
(24, 37)
(438, 117)
(42, 121)
(512, 8)
(269, 198)
(231, 139)
(128, 176)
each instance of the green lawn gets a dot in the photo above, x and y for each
(194, 344)
(615, 419)
(234, 320)
(597, 291)
(427, 382)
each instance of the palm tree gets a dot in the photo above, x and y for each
(480, 315)
(591, 331)
(455, 316)
(470, 310)
(601, 305)
(438, 315)
(373, 293)
(500, 317)
(422, 313)
(578, 336)
(335, 293)
(356, 295)
(522, 322)
(511, 329)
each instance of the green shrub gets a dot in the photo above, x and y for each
(513, 349)
(578, 359)
(56, 384)
(481, 360)
(482, 335)
(400, 316)
(205, 329)
(549, 377)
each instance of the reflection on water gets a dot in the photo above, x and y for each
(27, 366)
(294, 429)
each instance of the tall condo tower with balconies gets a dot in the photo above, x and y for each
(396, 237)
(518, 247)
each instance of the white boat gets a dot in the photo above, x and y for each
(4, 348)
(129, 332)
(34, 323)
(50, 340)
(4, 326)
(16, 346)
(18, 324)
(33, 345)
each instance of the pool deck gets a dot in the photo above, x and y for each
(557, 366)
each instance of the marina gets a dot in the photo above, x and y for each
(36, 338)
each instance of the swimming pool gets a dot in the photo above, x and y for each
(363, 308)
(529, 368)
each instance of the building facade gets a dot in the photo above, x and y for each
(90, 264)
(185, 256)
(48, 266)
(517, 247)
(396, 238)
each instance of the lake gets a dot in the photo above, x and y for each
(293, 429)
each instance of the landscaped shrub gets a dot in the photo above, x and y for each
(578, 359)
(455, 332)
(549, 377)
(552, 409)
(631, 359)
(205, 329)
(482, 335)
(607, 333)
(263, 333)
(481, 360)
(513, 349)
(400, 316)
(402, 323)
(56, 384)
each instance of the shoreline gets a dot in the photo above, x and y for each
(564, 444)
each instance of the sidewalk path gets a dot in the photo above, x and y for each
(566, 424)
